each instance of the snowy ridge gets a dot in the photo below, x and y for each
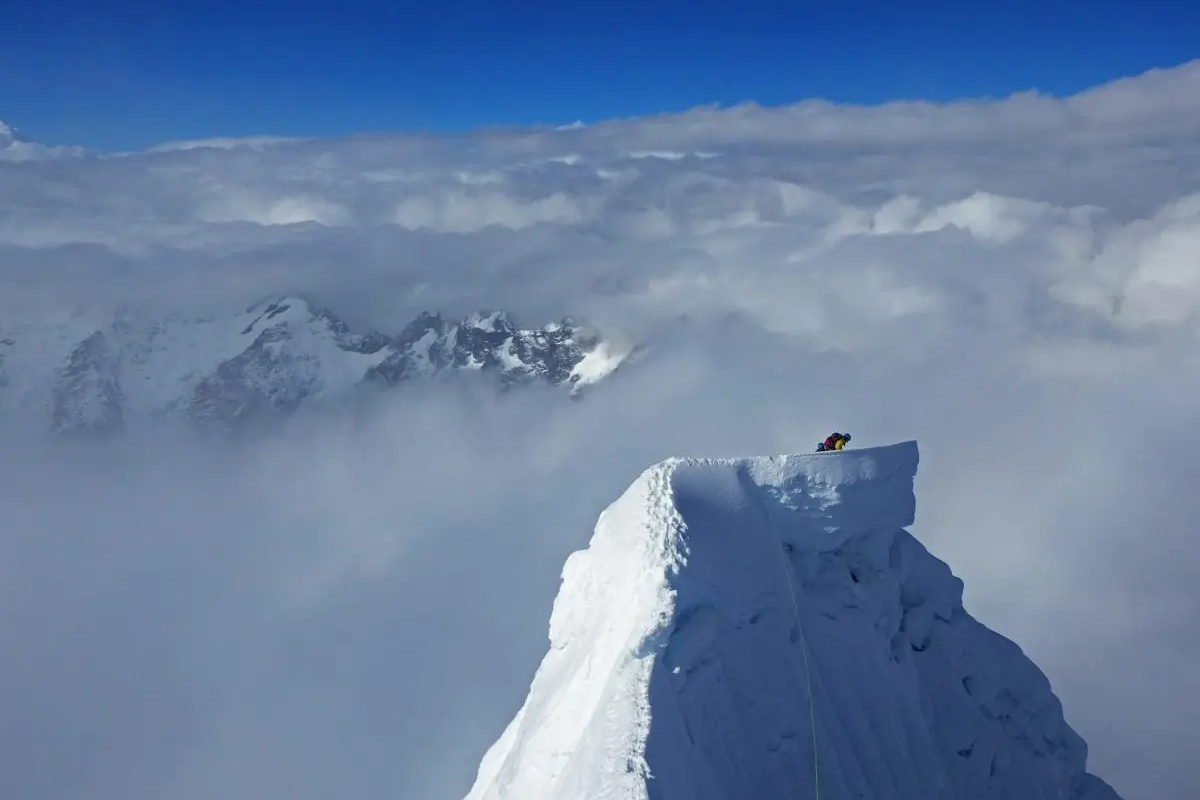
(100, 375)
(675, 669)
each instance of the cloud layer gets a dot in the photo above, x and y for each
(355, 608)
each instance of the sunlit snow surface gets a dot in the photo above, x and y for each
(676, 667)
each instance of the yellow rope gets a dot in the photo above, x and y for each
(812, 711)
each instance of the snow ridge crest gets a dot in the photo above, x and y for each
(676, 672)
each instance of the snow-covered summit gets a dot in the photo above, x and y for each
(717, 596)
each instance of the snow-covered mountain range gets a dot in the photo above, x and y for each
(91, 376)
(767, 628)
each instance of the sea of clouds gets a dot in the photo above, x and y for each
(354, 608)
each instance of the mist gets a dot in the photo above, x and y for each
(354, 605)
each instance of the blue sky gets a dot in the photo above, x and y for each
(133, 73)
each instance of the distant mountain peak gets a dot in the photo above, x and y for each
(266, 361)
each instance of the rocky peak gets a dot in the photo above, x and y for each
(266, 361)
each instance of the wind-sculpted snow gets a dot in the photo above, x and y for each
(677, 669)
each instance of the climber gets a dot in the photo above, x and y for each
(835, 441)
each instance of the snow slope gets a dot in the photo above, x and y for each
(677, 669)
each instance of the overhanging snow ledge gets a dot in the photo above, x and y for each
(814, 501)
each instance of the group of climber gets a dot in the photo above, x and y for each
(834, 441)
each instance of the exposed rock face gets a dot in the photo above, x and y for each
(430, 344)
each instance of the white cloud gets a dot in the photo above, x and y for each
(357, 606)
(223, 143)
(463, 212)
(1148, 273)
(240, 206)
